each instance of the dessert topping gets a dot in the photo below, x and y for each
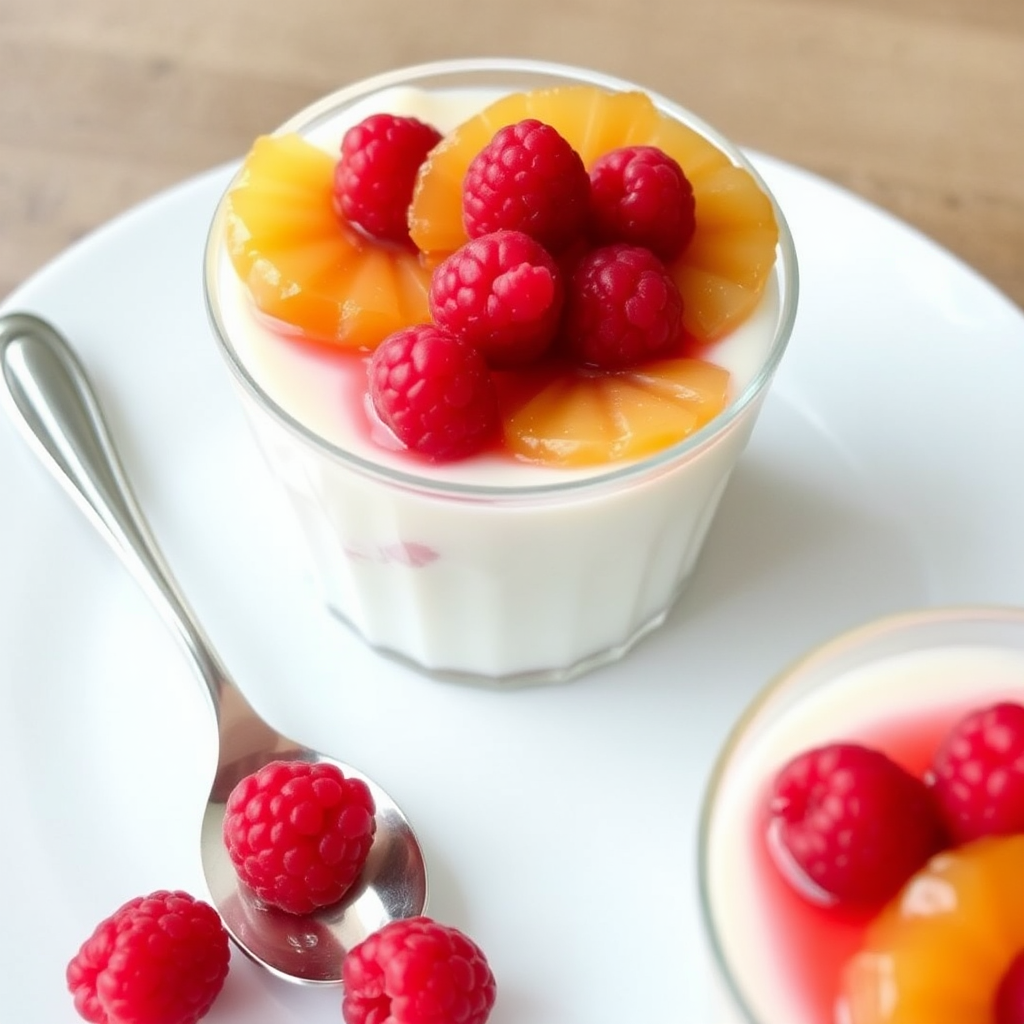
(434, 391)
(316, 244)
(298, 834)
(977, 775)
(374, 177)
(640, 195)
(848, 825)
(527, 178)
(1009, 1002)
(308, 274)
(947, 947)
(502, 293)
(622, 308)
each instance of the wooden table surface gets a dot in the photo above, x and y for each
(917, 105)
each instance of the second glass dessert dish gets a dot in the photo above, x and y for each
(569, 527)
(862, 839)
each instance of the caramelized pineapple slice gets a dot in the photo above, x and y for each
(303, 267)
(939, 950)
(582, 417)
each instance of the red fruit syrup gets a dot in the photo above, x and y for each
(813, 943)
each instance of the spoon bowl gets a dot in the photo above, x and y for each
(51, 400)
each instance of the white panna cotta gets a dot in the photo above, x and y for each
(487, 568)
(897, 685)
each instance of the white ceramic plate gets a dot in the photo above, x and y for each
(559, 824)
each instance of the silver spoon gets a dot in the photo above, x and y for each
(53, 404)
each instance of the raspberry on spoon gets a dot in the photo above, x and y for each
(640, 195)
(374, 177)
(977, 774)
(417, 971)
(298, 833)
(622, 307)
(434, 391)
(502, 293)
(848, 825)
(158, 959)
(527, 178)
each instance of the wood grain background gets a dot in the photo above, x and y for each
(917, 105)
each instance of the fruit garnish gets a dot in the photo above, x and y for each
(622, 307)
(946, 949)
(315, 276)
(158, 959)
(847, 825)
(1010, 994)
(977, 774)
(503, 294)
(1009, 1002)
(575, 416)
(723, 270)
(529, 179)
(299, 833)
(434, 392)
(417, 971)
(374, 176)
(640, 195)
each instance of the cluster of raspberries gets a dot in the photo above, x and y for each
(560, 262)
(856, 825)
(298, 835)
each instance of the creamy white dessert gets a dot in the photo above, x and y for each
(879, 682)
(486, 567)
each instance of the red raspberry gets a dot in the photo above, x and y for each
(417, 971)
(299, 833)
(502, 293)
(374, 178)
(159, 959)
(977, 774)
(434, 392)
(640, 195)
(527, 178)
(1009, 1001)
(622, 306)
(849, 825)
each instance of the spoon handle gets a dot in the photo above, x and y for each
(54, 405)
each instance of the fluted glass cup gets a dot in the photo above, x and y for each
(496, 582)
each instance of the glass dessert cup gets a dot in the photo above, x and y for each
(498, 579)
(897, 683)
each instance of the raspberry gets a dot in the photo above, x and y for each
(977, 774)
(434, 392)
(158, 959)
(298, 833)
(374, 177)
(640, 195)
(1009, 1000)
(849, 825)
(622, 306)
(527, 178)
(417, 971)
(502, 293)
